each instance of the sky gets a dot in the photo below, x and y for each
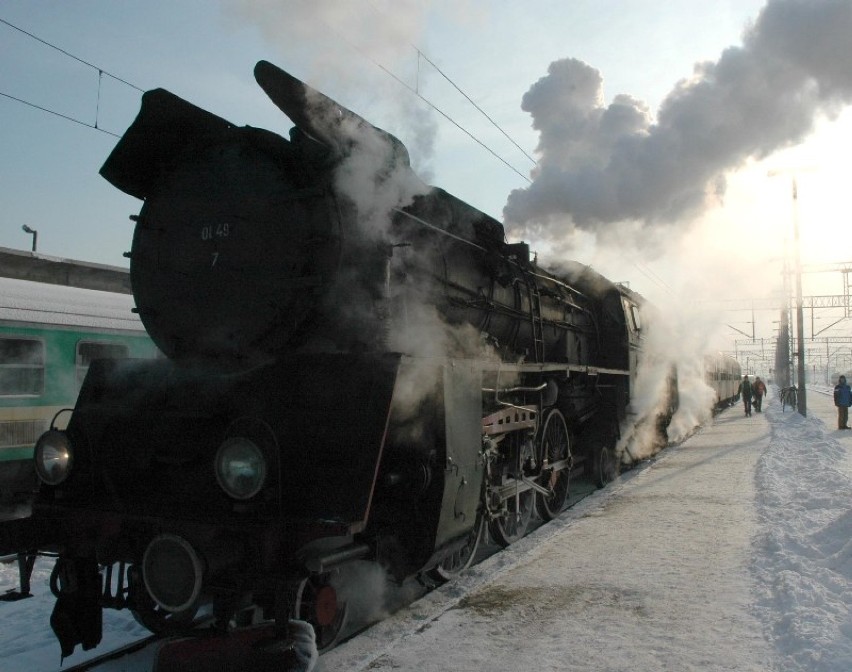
(712, 568)
(657, 142)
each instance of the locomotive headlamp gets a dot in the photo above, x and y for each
(240, 468)
(53, 457)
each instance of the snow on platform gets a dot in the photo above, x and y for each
(730, 552)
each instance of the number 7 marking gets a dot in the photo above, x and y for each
(215, 257)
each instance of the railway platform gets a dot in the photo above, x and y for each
(651, 573)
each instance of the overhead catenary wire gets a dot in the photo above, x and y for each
(101, 73)
(70, 55)
(471, 101)
(59, 114)
(415, 91)
(653, 277)
(444, 114)
(421, 54)
(457, 125)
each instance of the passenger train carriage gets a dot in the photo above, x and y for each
(49, 335)
(723, 373)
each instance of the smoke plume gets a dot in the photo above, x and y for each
(600, 164)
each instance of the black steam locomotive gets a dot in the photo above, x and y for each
(342, 380)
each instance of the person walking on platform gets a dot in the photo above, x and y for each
(759, 389)
(746, 392)
(843, 400)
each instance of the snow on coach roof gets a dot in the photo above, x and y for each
(23, 301)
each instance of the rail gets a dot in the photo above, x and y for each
(114, 654)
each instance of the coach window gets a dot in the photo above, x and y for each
(21, 367)
(89, 351)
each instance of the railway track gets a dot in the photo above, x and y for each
(259, 647)
(142, 655)
(102, 660)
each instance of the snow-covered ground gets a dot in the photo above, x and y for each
(27, 643)
(731, 551)
(802, 557)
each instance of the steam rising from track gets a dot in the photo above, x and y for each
(668, 342)
(601, 164)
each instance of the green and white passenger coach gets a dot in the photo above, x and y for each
(49, 334)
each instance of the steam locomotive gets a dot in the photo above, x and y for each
(346, 378)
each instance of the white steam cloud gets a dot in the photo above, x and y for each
(341, 40)
(374, 172)
(602, 164)
(670, 339)
(380, 29)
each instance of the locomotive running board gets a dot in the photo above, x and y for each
(510, 419)
(567, 369)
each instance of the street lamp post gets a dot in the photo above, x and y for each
(34, 233)
(802, 405)
(800, 315)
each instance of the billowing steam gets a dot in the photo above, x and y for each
(374, 172)
(369, 35)
(381, 30)
(669, 344)
(601, 164)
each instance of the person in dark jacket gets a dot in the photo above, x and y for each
(843, 400)
(745, 390)
(759, 390)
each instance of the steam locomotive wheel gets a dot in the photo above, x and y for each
(512, 524)
(317, 603)
(461, 558)
(555, 446)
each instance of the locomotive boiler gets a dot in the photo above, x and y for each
(346, 377)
